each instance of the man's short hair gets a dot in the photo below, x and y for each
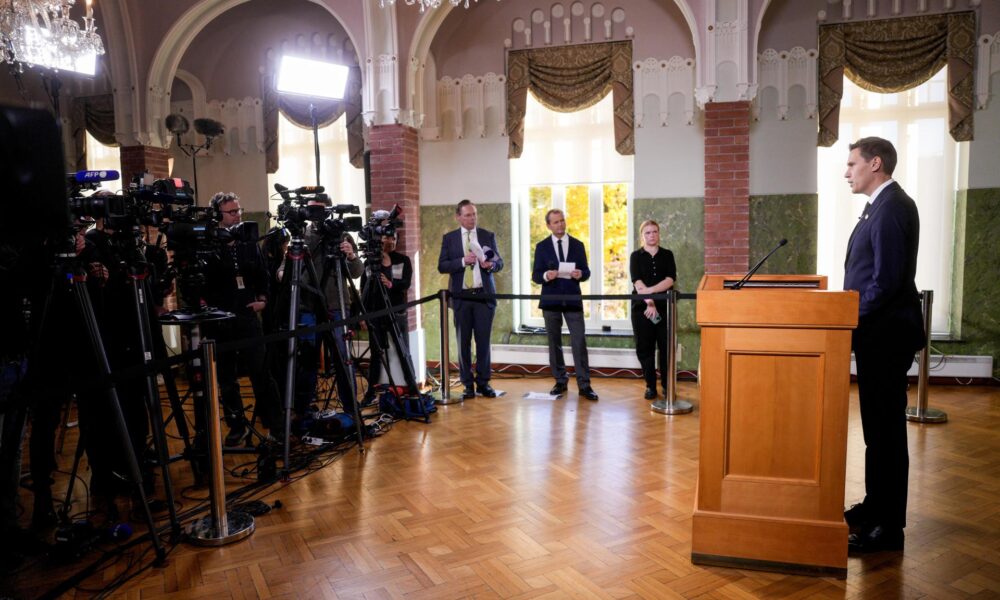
(461, 205)
(870, 147)
(551, 212)
(221, 198)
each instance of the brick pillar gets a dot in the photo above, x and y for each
(136, 159)
(395, 179)
(727, 187)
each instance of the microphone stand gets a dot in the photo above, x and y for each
(739, 284)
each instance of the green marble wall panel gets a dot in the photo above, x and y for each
(435, 221)
(682, 231)
(793, 217)
(958, 263)
(979, 292)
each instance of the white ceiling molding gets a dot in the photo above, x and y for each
(988, 63)
(783, 70)
(662, 79)
(562, 25)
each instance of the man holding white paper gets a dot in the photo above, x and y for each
(560, 265)
(469, 255)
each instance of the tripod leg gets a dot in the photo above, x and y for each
(97, 345)
(296, 256)
(68, 501)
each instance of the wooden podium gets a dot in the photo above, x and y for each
(775, 378)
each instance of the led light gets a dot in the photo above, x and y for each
(315, 78)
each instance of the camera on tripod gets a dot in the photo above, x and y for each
(381, 223)
(308, 204)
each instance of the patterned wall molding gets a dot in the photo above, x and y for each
(988, 63)
(870, 9)
(783, 70)
(726, 43)
(662, 79)
(560, 25)
(238, 115)
(470, 106)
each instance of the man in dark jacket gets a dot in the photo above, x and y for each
(560, 266)
(881, 265)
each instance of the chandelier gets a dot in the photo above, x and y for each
(41, 32)
(425, 4)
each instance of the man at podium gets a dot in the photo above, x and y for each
(881, 265)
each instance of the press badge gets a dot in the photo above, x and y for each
(239, 282)
(397, 271)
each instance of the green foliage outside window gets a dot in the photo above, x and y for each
(615, 249)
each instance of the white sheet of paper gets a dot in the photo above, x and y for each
(539, 396)
(566, 269)
(476, 249)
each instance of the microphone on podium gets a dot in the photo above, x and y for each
(757, 266)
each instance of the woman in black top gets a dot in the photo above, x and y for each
(652, 271)
(396, 276)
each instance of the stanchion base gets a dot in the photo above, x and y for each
(679, 407)
(930, 415)
(203, 532)
(449, 400)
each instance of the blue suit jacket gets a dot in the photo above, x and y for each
(546, 260)
(451, 262)
(881, 265)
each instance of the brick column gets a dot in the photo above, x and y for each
(136, 159)
(395, 179)
(727, 187)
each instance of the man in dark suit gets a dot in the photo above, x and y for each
(550, 254)
(881, 265)
(470, 255)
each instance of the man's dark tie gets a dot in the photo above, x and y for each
(864, 213)
(562, 257)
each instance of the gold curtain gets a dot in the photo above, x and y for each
(95, 114)
(571, 78)
(893, 55)
(296, 110)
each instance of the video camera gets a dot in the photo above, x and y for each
(308, 204)
(380, 224)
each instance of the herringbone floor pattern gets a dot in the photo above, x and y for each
(511, 498)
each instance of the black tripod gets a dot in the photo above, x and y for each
(69, 272)
(298, 257)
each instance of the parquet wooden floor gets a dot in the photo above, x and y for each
(511, 498)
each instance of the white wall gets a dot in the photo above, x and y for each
(476, 169)
(985, 149)
(783, 154)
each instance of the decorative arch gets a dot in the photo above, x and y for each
(199, 98)
(168, 56)
(756, 39)
(429, 25)
(124, 71)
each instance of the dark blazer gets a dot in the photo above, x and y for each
(451, 262)
(881, 265)
(547, 260)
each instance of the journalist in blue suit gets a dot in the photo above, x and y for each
(881, 265)
(473, 277)
(555, 249)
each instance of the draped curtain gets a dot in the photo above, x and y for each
(296, 110)
(571, 78)
(95, 114)
(894, 55)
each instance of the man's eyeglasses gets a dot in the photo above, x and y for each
(233, 212)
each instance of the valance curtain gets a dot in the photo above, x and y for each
(893, 55)
(571, 78)
(95, 114)
(296, 110)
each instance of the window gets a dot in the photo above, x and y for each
(101, 158)
(569, 162)
(916, 122)
(344, 183)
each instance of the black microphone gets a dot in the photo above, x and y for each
(310, 189)
(282, 190)
(750, 273)
(90, 176)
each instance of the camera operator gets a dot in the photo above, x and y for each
(395, 272)
(236, 281)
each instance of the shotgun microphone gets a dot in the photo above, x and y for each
(750, 273)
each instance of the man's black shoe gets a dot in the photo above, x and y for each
(557, 389)
(876, 539)
(650, 394)
(487, 392)
(857, 515)
(235, 436)
(589, 394)
(469, 393)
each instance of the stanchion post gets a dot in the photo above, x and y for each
(921, 413)
(671, 406)
(445, 353)
(220, 527)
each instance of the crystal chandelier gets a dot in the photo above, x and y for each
(425, 4)
(41, 32)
